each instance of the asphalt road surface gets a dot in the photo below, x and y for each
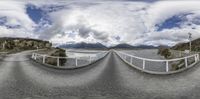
(109, 78)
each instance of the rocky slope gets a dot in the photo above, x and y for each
(20, 44)
(185, 46)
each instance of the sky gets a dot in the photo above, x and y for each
(110, 22)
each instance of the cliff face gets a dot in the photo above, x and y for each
(20, 44)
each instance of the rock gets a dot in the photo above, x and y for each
(21, 44)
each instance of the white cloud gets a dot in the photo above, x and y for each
(162, 10)
(102, 21)
(15, 33)
(15, 14)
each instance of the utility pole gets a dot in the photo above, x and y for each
(190, 39)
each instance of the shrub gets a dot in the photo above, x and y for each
(58, 53)
(164, 52)
(179, 65)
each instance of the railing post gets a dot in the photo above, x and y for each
(44, 56)
(96, 56)
(76, 62)
(186, 63)
(35, 56)
(143, 64)
(58, 61)
(32, 55)
(125, 57)
(131, 60)
(197, 57)
(167, 66)
(90, 59)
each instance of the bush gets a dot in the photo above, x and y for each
(58, 53)
(21, 44)
(164, 52)
(178, 65)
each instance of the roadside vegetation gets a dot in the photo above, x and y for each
(57, 52)
(14, 45)
(165, 52)
(184, 46)
(176, 65)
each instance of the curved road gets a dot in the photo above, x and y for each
(109, 78)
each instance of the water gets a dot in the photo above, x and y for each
(147, 53)
(76, 54)
(150, 54)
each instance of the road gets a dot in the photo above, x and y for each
(109, 78)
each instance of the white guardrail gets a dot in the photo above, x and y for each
(187, 61)
(3, 53)
(71, 62)
(177, 53)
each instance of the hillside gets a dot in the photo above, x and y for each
(101, 46)
(124, 45)
(19, 44)
(83, 45)
(127, 46)
(185, 46)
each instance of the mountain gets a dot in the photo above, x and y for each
(124, 45)
(127, 46)
(146, 47)
(83, 45)
(101, 46)
(185, 46)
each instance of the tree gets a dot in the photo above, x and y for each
(164, 52)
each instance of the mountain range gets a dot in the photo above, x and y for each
(83, 45)
(101, 46)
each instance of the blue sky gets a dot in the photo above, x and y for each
(36, 14)
(136, 22)
(173, 22)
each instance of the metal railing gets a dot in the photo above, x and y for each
(3, 53)
(177, 53)
(67, 62)
(183, 62)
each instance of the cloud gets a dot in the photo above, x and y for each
(17, 23)
(109, 22)
(102, 23)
